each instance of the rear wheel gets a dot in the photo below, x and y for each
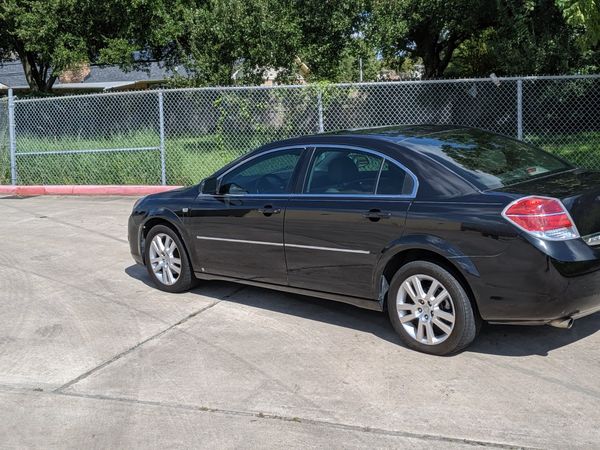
(167, 261)
(430, 309)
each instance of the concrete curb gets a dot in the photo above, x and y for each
(83, 190)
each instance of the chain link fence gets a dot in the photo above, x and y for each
(4, 148)
(180, 136)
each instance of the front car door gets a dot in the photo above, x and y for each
(352, 205)
(238, 231)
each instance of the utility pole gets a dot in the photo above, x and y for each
(360, 71)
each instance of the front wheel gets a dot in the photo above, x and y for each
(166, 260)
(430, 309)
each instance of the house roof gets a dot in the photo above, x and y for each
(100, 77)
(11, 74)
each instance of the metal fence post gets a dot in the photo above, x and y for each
(161, 124)
(519, 109)
(12, 141)
(320, 109)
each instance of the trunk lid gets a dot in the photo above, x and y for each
(578, 189)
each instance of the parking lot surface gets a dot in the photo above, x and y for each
(91, 355)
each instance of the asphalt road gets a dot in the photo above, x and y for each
(91, 356)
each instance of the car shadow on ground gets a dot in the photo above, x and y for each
(502, 340)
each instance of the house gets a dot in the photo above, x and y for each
(91, 78)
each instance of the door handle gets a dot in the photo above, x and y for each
(268, 210)
(375, 214)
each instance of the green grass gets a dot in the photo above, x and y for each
(582, 149)
(190, 158)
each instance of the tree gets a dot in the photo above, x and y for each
(330, 35)
(51, 36)
(586, 14)
(225, 41)
(219, 42)
(220, 38)
(530, 38)
(428, 29)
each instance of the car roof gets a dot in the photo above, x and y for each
(391, 134)
(397, 133)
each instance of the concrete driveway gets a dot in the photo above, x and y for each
(92, 356)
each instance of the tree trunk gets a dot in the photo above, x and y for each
(36, 72)
(436, 55)
(431, 63)
(50, 83)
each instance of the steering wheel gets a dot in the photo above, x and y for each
(270, 183)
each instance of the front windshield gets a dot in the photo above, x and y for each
(488, 160)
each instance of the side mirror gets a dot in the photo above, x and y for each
(209, 186)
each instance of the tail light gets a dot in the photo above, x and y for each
(543, 217)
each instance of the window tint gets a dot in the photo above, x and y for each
(394, 181)
(340, 171)
(267, 174)
(488, 160)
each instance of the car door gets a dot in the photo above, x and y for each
(238, 229)
(353, 204)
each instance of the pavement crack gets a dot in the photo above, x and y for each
(440, 439)
(135, 347)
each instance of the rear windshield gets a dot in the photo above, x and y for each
(487, 160)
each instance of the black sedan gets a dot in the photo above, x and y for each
(443, 226)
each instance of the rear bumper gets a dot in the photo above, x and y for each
(581, 294)
(562, 322)
(527, 286)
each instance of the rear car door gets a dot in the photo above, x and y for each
(238, 231)
(353, 203)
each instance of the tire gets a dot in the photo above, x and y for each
(162, 265)
(439, 321)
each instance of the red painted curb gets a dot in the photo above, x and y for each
(84, 190)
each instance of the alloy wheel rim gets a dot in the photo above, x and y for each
(425, 309)
(165, 259)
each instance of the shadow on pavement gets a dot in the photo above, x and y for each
(514, 340)
(502, 340)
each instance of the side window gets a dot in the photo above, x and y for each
(341, 171)
(267, 174)
(394, 181)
